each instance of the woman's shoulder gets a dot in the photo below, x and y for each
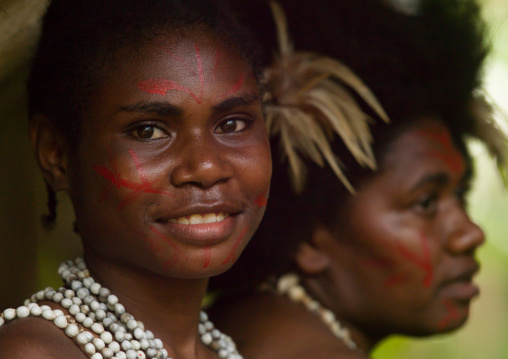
(36, 338)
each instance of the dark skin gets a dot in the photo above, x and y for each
(401, 261)
(147, 164)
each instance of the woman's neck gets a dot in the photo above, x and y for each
(169, 307)
(318, 289)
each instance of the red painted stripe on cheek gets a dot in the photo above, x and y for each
(170, 242)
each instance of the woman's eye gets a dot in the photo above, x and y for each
(231, 125)
(148, 132)
(427, 204)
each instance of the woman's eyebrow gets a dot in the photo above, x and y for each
(242, 99)
(158, 108)
(438, 179)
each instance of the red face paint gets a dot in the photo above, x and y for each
(236, 87)
(170, 242)
(423, 261)
(233, 250)
(207, 254)
(448, 153)
(162, 86)
(218, 55)
(261, 200)
(136, 188)
(170, 263)
(452, 314)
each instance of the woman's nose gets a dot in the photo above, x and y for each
(201, 162)
(465, 235)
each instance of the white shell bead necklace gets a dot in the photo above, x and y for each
(289, 285)
(117, 334)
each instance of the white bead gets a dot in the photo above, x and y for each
(106, 337)
(57, 297)
(100, 314)
(158, 343)
(82, 293)
(60, 321)
(135, 344)
(141, 355)
(112, 299)
(131, 354)
(139, 333)
(87, 323)
(22, 312)
(89, 336)
(151, 352)
(2, 321)
(207, 338)
(87, 282)
(107, 353)
(209, 325)
(96, 327)
(114, 346)
(99, 343)
(80, 317)
(223, 353)
(31, 305)
(119, 336)
(9, 314)
(82, 338)
(47, 314)
(126, 345)
(44, 307)
(119, 309)
(97, 356)
(95, 288)
(163, 353)
(296, 293)
(132, 324)
(104, 292)
(72, 330)
(144, 344)
(201, 329)
(94, 305)
(203, 317)
(76, 284)
(121, 355)
(69, 293)
(74, 309)
(40, 295)
(149, 334)
(58, 312)
(66, 302)
(90, 348)
(77, 300)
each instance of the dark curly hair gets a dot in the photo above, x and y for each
(79, 37)
(424, 64)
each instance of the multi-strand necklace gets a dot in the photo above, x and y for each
(289, 285)
(100, 324)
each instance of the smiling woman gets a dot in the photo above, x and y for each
(148, 115)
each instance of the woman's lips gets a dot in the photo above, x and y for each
(200, 229)
(460, 290)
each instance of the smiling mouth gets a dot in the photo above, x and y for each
(203, 218)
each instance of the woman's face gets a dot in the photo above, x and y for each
(173, 168)
(403, 258)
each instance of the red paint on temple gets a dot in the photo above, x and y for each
(233, 250)
(449, 154)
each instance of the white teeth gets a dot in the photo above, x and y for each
(201, 218)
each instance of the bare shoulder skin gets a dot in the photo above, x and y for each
(34, 338)
(277, 328)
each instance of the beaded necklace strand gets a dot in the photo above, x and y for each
(289, 285)
(93, 307)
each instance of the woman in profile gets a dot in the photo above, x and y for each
(339, 265)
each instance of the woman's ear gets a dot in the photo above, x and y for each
(310, 257)
(50, 149)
